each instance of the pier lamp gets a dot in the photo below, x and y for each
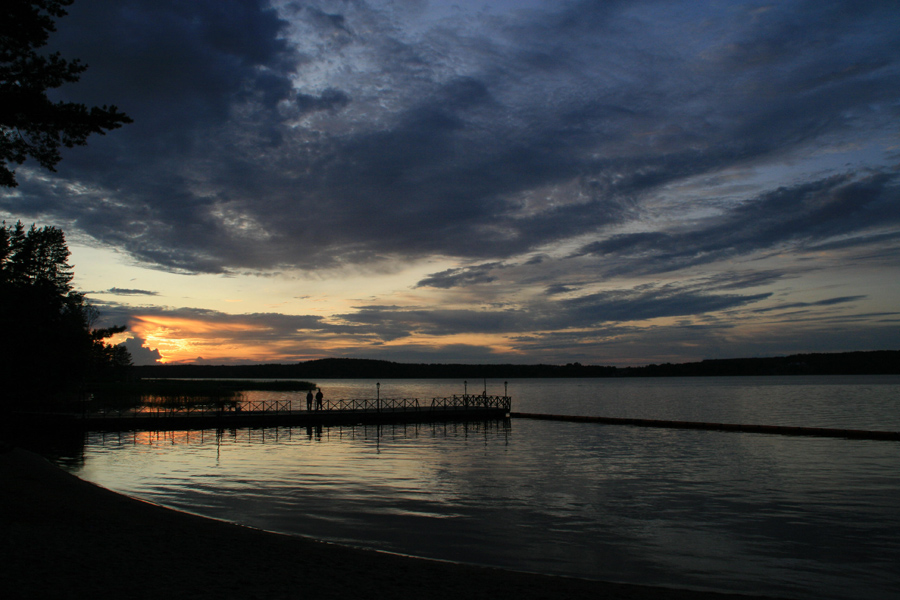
(378, 397)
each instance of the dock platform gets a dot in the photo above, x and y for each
(277, 413)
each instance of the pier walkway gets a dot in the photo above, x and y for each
(272, 413)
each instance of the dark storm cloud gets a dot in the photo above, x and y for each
(180, 70)
(818, 304)
(329, 100)
(591, 310)
(472, 140)
(799, 217)
(251, 327)
(335, 22)
(128, 292)
(875, 246)
(461, 277)
(640, 304)
(559, 288)
(175, 66)
(395, 324)
(739, 280)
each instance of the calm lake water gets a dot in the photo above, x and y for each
(752, 513)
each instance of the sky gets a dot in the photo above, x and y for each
(537, 181)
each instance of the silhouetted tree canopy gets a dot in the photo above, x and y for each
(31, 125)
(48, 348)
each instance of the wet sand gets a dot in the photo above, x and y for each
(65, 538)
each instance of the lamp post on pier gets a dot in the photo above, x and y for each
(378, 397)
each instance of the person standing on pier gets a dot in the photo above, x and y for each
(309, 399)
(319, 397)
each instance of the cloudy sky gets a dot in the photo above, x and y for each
(509, 181)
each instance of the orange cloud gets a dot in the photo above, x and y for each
(195, 326)
(182, 339)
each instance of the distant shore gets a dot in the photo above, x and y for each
(876, 362)
(64, 537)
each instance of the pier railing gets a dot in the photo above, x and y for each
(465, 402)
(469, 401)
(201, 410)
(369, 404)
(264, 406)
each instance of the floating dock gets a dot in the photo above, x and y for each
(857, 434)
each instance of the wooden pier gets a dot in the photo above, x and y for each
(276, 413)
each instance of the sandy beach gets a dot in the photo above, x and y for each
(66, 538)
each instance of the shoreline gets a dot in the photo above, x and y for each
(65, 537)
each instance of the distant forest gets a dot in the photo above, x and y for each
(881, 362)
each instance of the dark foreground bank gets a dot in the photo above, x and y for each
(65, 538)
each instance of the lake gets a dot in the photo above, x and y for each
(736, 512)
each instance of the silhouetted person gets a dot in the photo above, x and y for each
(319, 397)
(309, 399)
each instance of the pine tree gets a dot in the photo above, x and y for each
(32, 125)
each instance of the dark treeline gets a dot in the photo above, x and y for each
(358, 368)
(845, 363)
(49, 349)
(878, 362)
